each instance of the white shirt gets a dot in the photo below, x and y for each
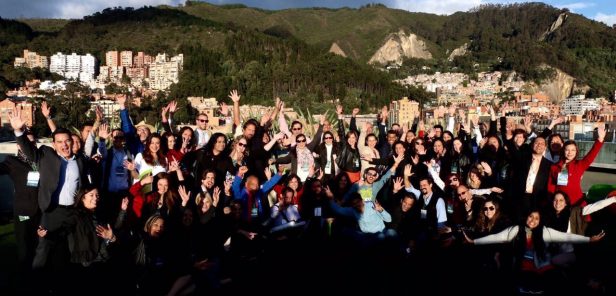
(532, 173)
(203, 136)
(68, 181)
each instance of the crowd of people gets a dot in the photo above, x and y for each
(182, 211)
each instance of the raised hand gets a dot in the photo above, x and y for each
(408, 170)
(398, 159)
(216, 196)
(601, 132)
(328, 192)
(173, 105)
(278, 103)
(16, 122)
(415, 158)
(398, 184)
(355, 112)
(227, 185)
(129, 165)
(367, 127)
(45, 109)
(163, 111)
(184, 195)
(268, 173)
(235, 96)
(265, 119)
(103, 131)
(496, 190)
(322, 119)
(486, 168)
(242, 170)
(461, 113)
(174, 165)
(124, 205)
(104, 232)
(98, 111)
(384, 113)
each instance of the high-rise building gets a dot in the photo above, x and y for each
(112, 59)
(403, 111)
(74, 66)
(138, 60)
(126, 58)
(31, 60)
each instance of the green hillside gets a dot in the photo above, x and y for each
(503, 37)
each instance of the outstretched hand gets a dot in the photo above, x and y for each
(235, 96)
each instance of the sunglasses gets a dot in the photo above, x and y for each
(241, 144)
(371, 175)
(301, 141)
(328, 138)
(492, 208)
(202, 120)
(297, 128)
(462, 193)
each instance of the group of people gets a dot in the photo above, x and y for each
(172, 213)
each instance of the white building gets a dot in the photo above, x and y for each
(165, 71)
(74, 66)
(578, 105)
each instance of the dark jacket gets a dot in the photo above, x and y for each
(49, 163)
(26, 203)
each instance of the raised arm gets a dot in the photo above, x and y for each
(504, 236)
(235, 97)
(340, 124)
(596, 147)
(282, 122)
(353, 124)
(46, 110)
(23, 142)
(596, 206)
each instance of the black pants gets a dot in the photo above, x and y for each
(57, 222)
(26, 241)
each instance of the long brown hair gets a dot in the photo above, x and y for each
(169, 196)
(484, 224)
(148, 157)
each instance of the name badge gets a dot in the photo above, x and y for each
(563, 178)
(254, 212)
(33, 179)
(424, 214)
(317, 212)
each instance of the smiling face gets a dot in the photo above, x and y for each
(559, 203)
(518, 139)
(171, 141)
(570, 152)
(76, 144)
(533, 219)
(425, 187)
(438, 147)
(252, 184)
(154, 145)
(352, 139)
(539, 146)
(163, 186)
(457, 145)
(202, 121)
(63, 143)
(90, 199)
(249, 131)
(293, 183)
(143, 133)
(208, 181)
(296, 129)
(371, 141)
(400, 149)
(220, 144)
(410, 136)
(370, 175)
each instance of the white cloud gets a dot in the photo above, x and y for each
(609, 19)
(438, 7)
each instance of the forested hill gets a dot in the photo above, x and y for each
(218, 57)
(503, 37)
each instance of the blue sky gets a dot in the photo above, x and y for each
(600, 10)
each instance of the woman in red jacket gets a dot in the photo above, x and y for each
(566, 174)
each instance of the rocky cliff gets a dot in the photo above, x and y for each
(460, 51)
(335, 49)
(555, 25)
(398, 46)
(558, 87)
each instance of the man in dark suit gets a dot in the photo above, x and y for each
(531, 186)
(60, 175)
(27, 215)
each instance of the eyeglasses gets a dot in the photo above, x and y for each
(241, 144)
(202, 120)
(328, 138)
(297, 128)
(301, 141)
(462, 193)
(492, 208)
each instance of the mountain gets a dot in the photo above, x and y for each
(218, 57)
(520, 37)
